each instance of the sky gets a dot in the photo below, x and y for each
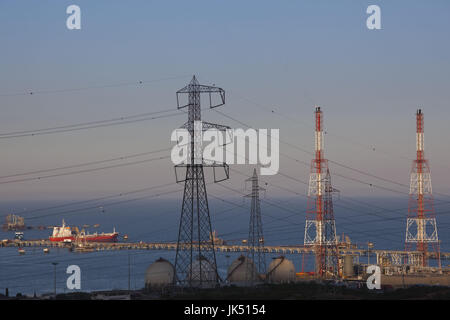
(276, 60)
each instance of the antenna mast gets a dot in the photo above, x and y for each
(421, 225)
(320, 227)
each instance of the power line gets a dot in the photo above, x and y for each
(85, 170)
(274, 111)
(84, 164)
(303, 182)
(78, 127)
(336, 163)
(284, 218)
(340, 175)
(344, 218)
(87, 123)
(382, 218)
(103, 86)
(105, 205)
(76, 203)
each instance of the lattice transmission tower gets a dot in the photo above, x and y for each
(421, 227)
(195, 262)
(255, 250)
(320, 227)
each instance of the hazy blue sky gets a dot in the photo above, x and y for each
(286, 56)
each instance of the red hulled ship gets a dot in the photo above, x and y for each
(69, 234)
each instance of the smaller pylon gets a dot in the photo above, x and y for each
(255, 243)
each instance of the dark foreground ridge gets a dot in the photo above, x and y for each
(297, 291)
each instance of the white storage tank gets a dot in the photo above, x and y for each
(242, 271)
(281, 270)
(160, 273)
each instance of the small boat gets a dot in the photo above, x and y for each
(46, 250)
(125, 237)
(21, 251)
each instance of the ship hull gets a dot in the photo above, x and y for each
(88, 238)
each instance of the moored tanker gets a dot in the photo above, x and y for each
(69, 234)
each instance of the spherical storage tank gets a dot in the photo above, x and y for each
(242, 270)
(159, 274)
(281, 270)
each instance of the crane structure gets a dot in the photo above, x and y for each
(255, 251)
(195, 261)
(320, 227)
(421, 227)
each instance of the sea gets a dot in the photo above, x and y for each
(379, 221)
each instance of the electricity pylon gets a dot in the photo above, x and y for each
(255, 242)
(195, 262)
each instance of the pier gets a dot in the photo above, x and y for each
(395, 256)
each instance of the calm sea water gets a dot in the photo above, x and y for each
(362, 220)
